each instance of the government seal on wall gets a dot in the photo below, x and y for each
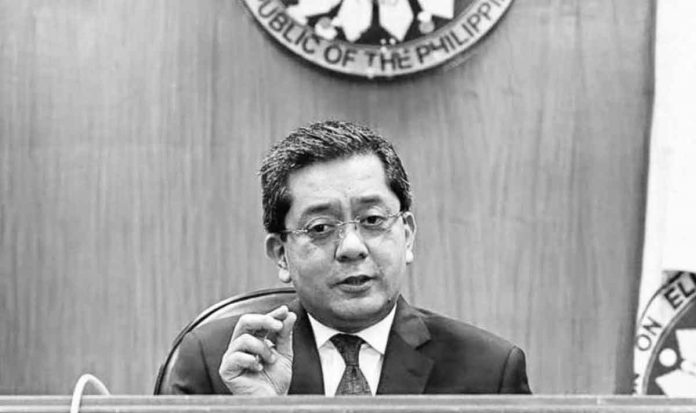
(665, 342)
(378, 38)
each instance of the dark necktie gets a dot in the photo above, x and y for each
(353, 380)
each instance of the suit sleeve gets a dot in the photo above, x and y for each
(514, 377)
(190, 373)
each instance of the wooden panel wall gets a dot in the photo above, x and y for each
(131, 131)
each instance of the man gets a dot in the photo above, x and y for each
(336, 203)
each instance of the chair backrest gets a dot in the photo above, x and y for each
(261, 301)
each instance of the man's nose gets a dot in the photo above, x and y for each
(351, 245)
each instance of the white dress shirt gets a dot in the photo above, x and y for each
(370, 358)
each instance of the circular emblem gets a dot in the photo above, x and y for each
(665, 343)
(378, 38)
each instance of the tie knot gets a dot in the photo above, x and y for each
(349, 347)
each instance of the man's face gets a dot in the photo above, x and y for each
(348, 282)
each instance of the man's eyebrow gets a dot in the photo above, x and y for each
(370, 200)
(317, 209)
(334, 208)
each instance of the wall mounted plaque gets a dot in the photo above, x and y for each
(378, 38)
(665, 343)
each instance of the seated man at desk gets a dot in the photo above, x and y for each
(337, 209)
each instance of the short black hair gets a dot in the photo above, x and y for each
(321, 142)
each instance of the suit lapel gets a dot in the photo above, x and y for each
(306, 367)
(405, 370)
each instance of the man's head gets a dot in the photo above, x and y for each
(346, 275)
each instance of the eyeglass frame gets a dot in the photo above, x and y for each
(343, 224)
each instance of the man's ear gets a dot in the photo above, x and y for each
(275, 250)
(410, 234)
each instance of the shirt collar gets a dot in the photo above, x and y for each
(376, 335)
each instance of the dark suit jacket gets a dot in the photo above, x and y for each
(426, 354)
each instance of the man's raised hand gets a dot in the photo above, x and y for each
(258, 360)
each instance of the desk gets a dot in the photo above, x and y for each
(215, 404)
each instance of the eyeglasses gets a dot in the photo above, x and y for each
(325, 230)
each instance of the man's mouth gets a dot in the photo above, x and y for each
(356, 280)
(355, 284)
